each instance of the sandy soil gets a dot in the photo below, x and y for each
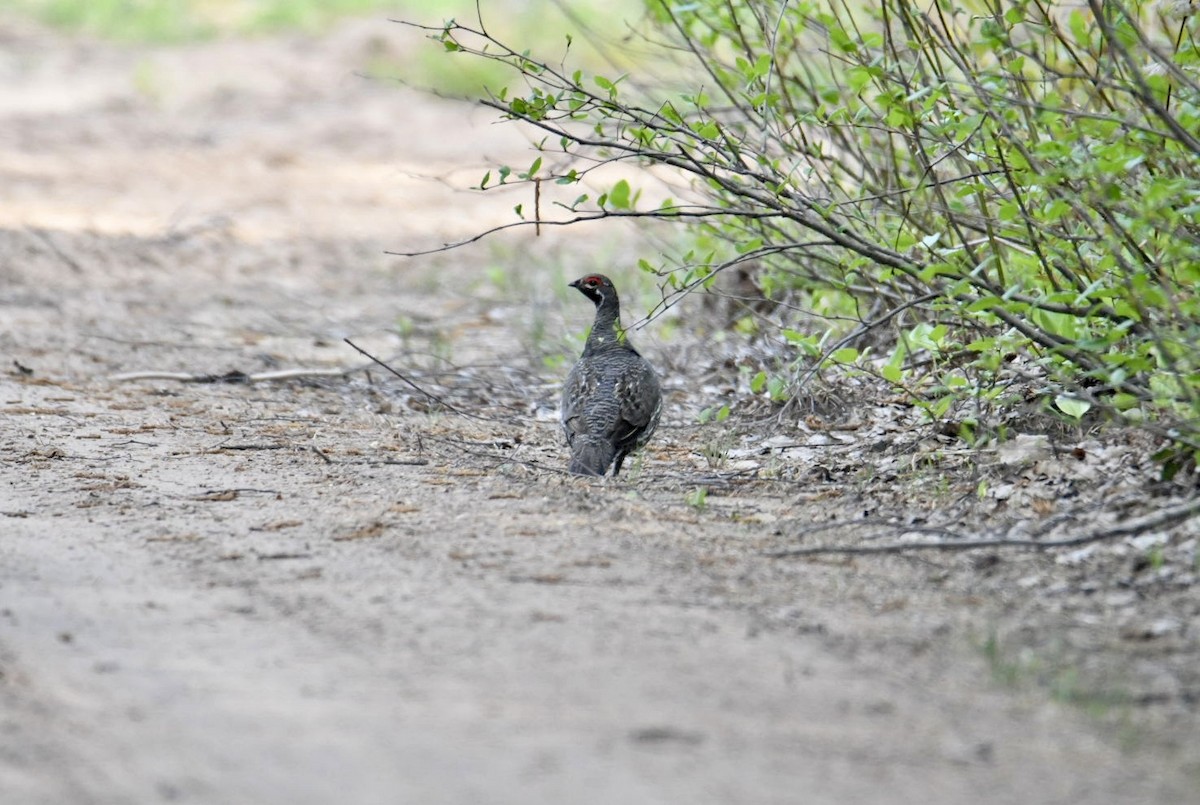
(321, 590)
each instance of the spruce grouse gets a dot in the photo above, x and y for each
(611, 400)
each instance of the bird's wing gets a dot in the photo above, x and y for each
(641, 404)
(579, 387)
(640, 395)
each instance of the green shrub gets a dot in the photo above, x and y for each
(958, 197)
(190, 20)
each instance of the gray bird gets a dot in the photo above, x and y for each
(611, 401)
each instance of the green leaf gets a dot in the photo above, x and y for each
(1123, 401)
(608, 86)
(982, 345)
(1072, 406)
(858, 77)
(794, 336)
(984, 303)
(808, 345)
(759, 382)
(619, 195)
(842, 40)
(845, 355)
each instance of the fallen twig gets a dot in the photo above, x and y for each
(266, 557)
(428, 394)
(465, 447)
(1164, 518)
(236, 376)
(222, 447)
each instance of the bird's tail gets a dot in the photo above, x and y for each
(591, 456)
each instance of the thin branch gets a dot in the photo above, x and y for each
(674, 214)
(427, 394)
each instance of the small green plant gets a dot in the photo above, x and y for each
(1004, 670)
(637, 465)
(556, 362)
(716, 450)
(148, 82)
(441, 347)
(713, 415)
(406, 328)
(698, 498)
(1062, 681)
(1155, 557)
(775, 385)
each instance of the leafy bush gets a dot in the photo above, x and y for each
(189, 20)
(962, 198)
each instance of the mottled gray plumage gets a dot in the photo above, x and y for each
(611, 400)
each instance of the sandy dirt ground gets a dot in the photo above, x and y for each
(321, 589)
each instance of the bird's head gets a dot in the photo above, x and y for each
(596, 287)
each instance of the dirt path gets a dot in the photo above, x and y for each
(312, 591)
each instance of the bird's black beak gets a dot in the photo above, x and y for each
(574, 284)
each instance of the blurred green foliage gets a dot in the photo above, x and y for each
(982, 205)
